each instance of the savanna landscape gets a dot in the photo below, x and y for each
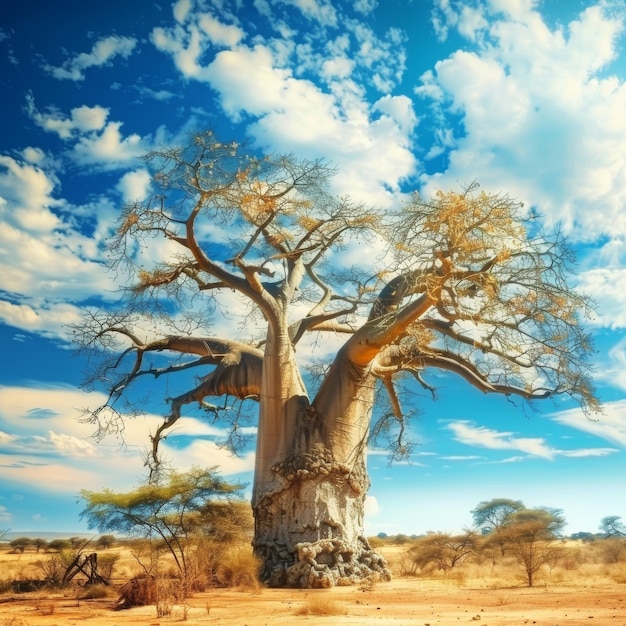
(583, 583)
(274, 237)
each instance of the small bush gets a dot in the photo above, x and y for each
(237, 567)
(106, 563)
(138, 592)
(95, 592)
(320, 605)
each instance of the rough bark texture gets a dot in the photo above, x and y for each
(309, 515)
(309, 532)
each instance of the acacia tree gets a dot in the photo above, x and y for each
(612, 526)
(492, 515)
(442, 551)
(466, 288)
(171, 511)
(529, 535)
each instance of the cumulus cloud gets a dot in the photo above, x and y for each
(68, 452)
(46, 263)
(134, 185)
(606, 286)
(45, 318)
(81, 119)
(26, 196)
(109, 149)
(321, 11)
(220, 34)
(539, 112)
(102, 53)
(94, 140)
(288, 112)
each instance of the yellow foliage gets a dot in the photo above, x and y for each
(131, 220)
(309, 223)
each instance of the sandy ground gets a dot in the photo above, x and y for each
(403, 601)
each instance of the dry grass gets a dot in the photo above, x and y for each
(583, 564)
(497, 585)
(320, 604)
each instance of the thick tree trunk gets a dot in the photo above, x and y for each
(310, 532)
(309, 503)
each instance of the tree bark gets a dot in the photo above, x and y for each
(311, 483)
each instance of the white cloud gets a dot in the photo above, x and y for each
(613, 371)
(609, 425)
(586, 452)
(67, 458)
(203, 453)
(47, 318)
(540, 114)
(185, 46)
(220, 34)
(181, 10)
(81, 119)
(44, 262)
(102, 53)
(290, 113)
(26, 196)
(321, 11)
(95, 140)
(134, 185)
(481, 436)
(372, 507)
(68, 445)
(372, 151)
(108, 149)
(606, 286)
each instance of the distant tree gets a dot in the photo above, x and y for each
(59, 545)
(106, 541)
(584, 536)
(173, 510)
(20, 544)
(492, 515)
(612, 549)
(77, 543)
(39, 544)
(529, 535)
(442, 551)
(470, 286)
(611, 526)
(4, 532)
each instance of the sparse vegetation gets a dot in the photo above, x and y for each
(586, 567)
(177, 516)
(320, 605)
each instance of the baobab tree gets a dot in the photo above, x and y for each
(465, 287)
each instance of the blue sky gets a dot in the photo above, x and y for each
(525, 97)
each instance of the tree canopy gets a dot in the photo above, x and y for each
(173, 510)
(612, 526)
(466, 283)
(238, 264)
(493, 515)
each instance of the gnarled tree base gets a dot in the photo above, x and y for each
(326, 563)
(309, 528)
